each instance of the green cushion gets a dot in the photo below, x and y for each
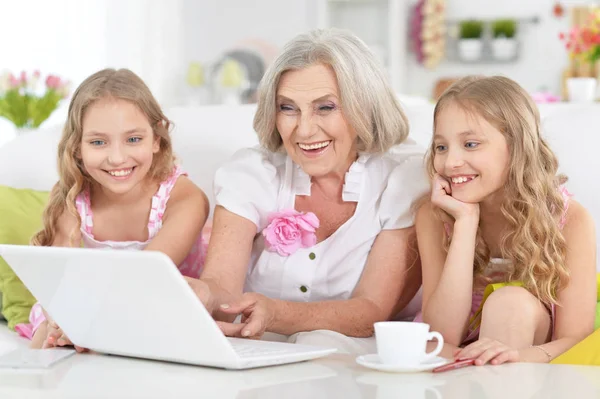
(20, 217)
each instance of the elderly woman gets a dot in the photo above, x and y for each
(315, 225)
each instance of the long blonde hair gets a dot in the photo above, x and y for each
(73, 179)
(533, 204)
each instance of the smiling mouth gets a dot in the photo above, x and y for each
(314, 146)
(462, 179)
(120, 172)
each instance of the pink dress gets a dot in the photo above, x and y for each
(495, 271)
(191, 265)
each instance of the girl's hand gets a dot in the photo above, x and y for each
(55, 337)
(257, 316)
(441, 196)
(203, 293)
(487, 350)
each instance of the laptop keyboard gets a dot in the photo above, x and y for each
(247, 351)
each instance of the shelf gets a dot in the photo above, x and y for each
(487, 53)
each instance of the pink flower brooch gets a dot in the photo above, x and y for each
(290, 230)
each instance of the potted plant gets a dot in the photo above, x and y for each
(583, 44)
(27, 103)
(504, 42)
(470, 43)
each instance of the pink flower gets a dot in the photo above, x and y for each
(544, 97)
(14, 81)
(53, 82)
(290, 230)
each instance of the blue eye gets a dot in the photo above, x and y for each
(97, 142)
(471, 144)
(134, 139)
(440, 148)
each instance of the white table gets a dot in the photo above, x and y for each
(337, 376)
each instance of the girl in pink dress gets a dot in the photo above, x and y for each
(119, 187)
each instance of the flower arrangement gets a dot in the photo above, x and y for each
(290, 230)
(583, 42)
(428, 31)
(25, 102)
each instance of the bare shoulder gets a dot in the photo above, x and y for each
(425, 215)
(578, 220)
(187, 193)
(67, 230)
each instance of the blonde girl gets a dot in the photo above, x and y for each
(119, 186)
(508, 257)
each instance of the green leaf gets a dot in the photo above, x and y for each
(26, 110)
(594, 55)
(504, 28)
(18, 107)
(471, 29)
(44, 107)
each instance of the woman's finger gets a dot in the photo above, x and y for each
(231, 329)
(255, 325)
(237, 307)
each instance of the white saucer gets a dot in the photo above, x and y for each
(373, 362)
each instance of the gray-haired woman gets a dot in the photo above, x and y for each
(313, 229)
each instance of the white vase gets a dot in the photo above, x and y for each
(504, 49)
(470, 49)
(24, 130)
(581, 90)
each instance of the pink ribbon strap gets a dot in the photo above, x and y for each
(36, 318)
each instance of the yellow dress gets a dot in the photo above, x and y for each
(587, 352)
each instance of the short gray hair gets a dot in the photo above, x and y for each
(368, 102)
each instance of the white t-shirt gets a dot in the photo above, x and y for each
(257, 182)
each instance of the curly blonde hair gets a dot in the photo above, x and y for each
(73, 179)
(533, 204)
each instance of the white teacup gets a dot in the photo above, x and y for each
(405, 343)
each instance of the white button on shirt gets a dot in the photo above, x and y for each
(257, 182)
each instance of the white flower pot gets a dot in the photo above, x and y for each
(581, 90)
(24, 130)
(504, 49)
(470, 49)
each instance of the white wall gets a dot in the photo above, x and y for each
(64, 37)
(147, 36)
(73, 39)
(159, 38)
(543, 56)
(214, 26)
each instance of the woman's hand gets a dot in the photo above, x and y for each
(55, 337)
(257, 316)
(441, 196)
(487, 350)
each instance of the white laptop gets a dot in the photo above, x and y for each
(137, 304)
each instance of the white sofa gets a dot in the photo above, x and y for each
(204, 137)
